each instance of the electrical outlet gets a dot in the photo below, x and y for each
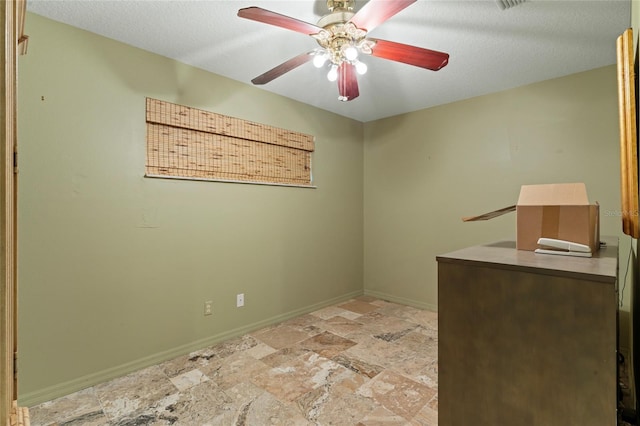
(208, 307)
(240, 300)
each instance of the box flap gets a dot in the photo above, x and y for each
(555, 194)
(489, 215)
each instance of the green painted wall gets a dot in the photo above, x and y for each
(635, 21)
(424, 171)
(114, 268)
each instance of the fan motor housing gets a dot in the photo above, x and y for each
(338, 17)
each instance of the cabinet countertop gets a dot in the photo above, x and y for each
(603, 266)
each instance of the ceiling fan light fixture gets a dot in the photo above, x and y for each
(332, 75)
(366, 46)
(354, 32)
(350, 52)
(320, 58)
(361, 67)
(322, 37)
(343, 41)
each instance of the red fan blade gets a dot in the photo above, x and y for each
(284, 67)
(272, 18)
(375, 12)
(412, 55)
(347, 82)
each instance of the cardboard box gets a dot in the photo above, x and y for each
(561, 211)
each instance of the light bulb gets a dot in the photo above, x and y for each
(350, 53)
(361, 67)
(332, 75)
(319, 60)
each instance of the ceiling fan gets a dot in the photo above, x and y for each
(342, 36)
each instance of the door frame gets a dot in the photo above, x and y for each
(12, 15)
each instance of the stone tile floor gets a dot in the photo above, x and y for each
(362, 362)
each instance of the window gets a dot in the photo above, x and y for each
(189, 143)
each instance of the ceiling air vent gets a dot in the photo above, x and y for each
(506, 4)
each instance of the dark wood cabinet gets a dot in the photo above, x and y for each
(527, 339)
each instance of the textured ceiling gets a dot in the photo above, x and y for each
(490, 49)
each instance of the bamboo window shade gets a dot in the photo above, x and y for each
(189, 143)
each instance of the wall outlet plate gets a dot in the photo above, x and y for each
(208, 307)
(240, 300)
